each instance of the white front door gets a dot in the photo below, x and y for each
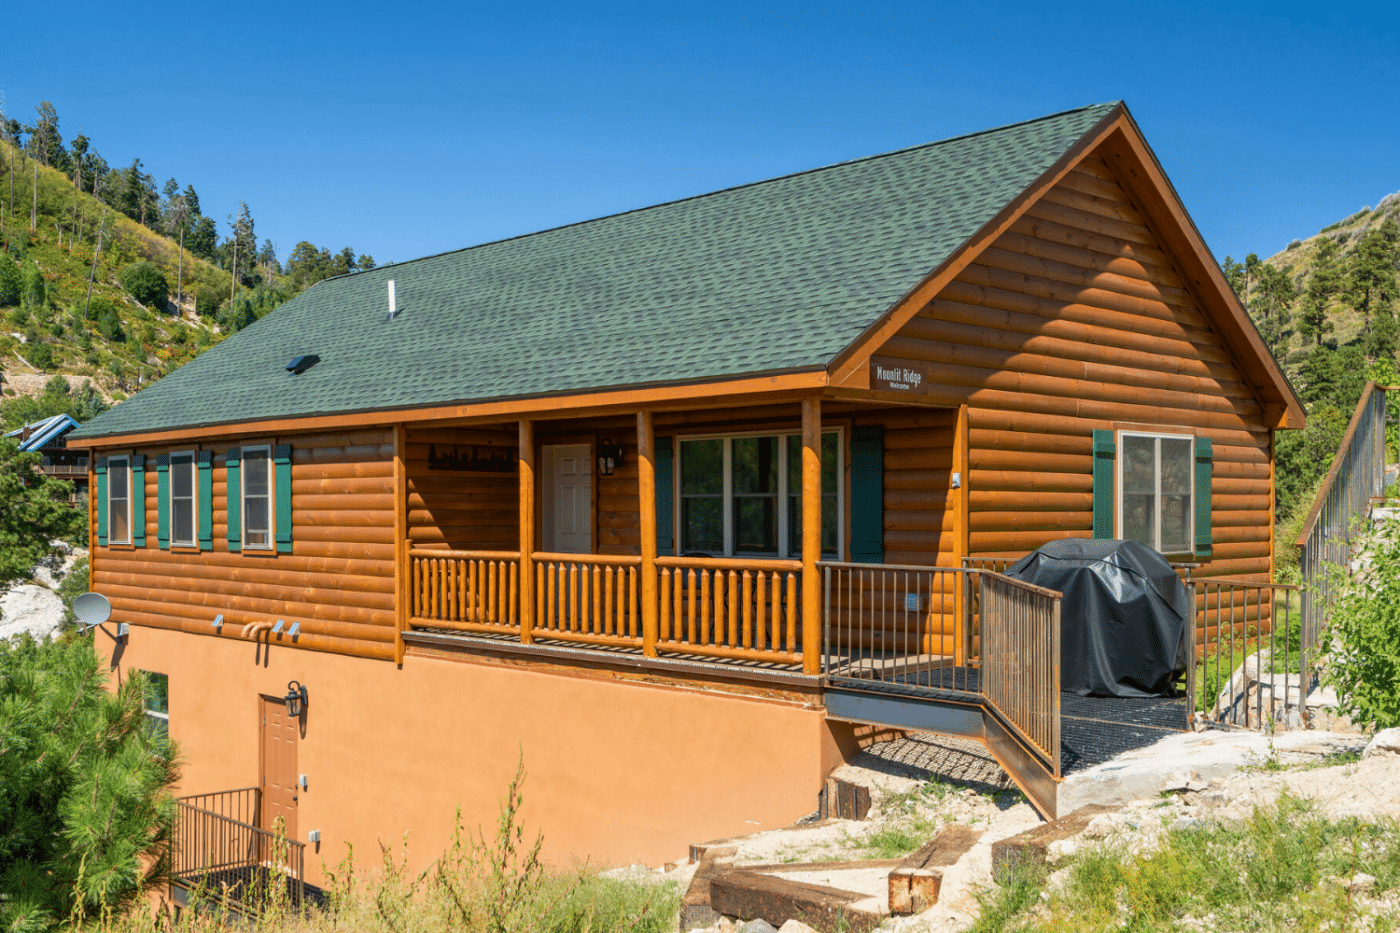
(568, 498)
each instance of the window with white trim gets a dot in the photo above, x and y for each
(118, 500)
(157, 704)
(741, 495)
(257, 498)
(1155, 490)
(183, 530)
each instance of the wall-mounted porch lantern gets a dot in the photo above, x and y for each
(609, 456)
(296, 698)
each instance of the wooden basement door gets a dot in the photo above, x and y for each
(279, 766)
(568, 499)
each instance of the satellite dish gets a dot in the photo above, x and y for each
(92, 609)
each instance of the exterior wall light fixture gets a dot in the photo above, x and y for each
(296, 699)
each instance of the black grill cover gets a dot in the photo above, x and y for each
(1123, 618)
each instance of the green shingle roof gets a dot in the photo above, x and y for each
(775, 276)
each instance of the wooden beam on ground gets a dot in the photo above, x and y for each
(915, 883)
(752, 895)
(1032, 846)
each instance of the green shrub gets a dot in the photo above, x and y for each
(1364, 658)
(33, 291)
(40, 355)
(145, 282)
(9, 283)
(109, 322)
(208, 301)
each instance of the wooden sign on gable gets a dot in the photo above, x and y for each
(890, 375)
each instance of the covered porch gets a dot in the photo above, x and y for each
(742, 535)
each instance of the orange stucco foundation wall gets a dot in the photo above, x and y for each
(617, 772)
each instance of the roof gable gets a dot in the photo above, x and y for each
(777, 276)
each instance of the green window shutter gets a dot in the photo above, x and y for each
(163, 501)
(282, 466)
(101, 470)
(664, 460)
(205, 493)
(1204, 464)
(1105, 453)
(234, 498)
(138, 500)
(868, 494)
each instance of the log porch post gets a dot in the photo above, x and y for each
(811, 534)
(646, 494)
(402, 562)
(527, 531)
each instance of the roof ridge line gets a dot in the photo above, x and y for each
(718, 191)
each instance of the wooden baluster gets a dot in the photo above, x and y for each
(633, 586)
(760, 610)
(600, 624)
(733, 608)
(437, 587)
(573, 597)
(747, 599)
(705, 607)
(415, 574)
(663, 621)
(551, 607)
(609, 591)
(449, 576)
(692, 594)
(677, 603)
(514, 592)
(493, 610)
(791, 611)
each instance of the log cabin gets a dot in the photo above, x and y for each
(627, 499)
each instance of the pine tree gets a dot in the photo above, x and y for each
(86, 813)
(1370, 277)
(1273, 303)
(1323, 285)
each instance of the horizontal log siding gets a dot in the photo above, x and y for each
(338, 581)
(1075, 319)
(461, 511)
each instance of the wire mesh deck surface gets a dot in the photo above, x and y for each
(1092, 729)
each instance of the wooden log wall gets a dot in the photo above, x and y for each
(338, 581)
(460, 510)
(918, 474)
(1077, 319)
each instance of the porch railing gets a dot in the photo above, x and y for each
(908, 627)
(1343, 503)
(588, 598)
(1020, 626)
(471, 591)
(223, 855)
(898, 624)
(737, 609)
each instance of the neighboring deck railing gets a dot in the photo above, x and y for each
(222, 854)
(1255, 663)
(1342, 506)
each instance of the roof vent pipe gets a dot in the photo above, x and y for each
(393, 303)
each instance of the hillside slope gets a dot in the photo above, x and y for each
(112, 339)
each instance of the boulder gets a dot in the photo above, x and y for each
(1384, 744)
(30, 609)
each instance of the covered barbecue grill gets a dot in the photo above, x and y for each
(1123, 619)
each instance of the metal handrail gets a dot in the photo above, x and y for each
(234, 859)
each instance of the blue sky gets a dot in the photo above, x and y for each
(409, 128)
